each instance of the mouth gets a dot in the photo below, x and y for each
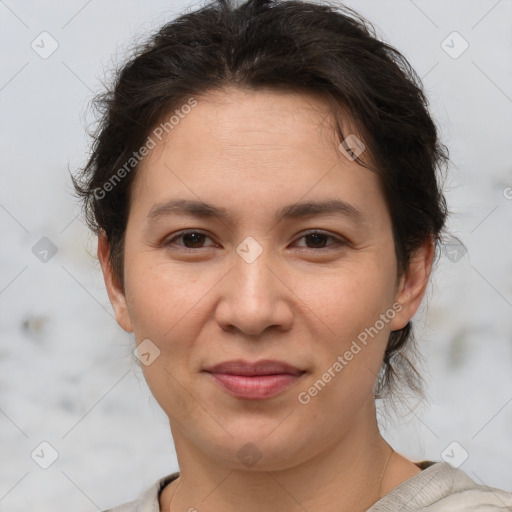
(255, 381)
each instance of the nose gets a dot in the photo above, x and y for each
(255, 296)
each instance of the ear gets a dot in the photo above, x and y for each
(114, 289)
(413, 284)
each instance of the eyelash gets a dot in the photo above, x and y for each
(338, 241)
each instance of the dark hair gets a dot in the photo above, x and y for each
(292, 46)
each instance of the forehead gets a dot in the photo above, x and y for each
(242, 117)
(253, 146)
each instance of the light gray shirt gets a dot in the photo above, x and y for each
(438, 488)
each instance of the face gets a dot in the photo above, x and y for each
(266, 279)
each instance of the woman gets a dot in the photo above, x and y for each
(265, 193)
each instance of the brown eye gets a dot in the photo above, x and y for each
(191, 239)
(194, 240)
(318, 240)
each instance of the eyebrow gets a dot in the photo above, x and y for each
(291, 211)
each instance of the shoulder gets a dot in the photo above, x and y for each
(148, 501)
(443, 488)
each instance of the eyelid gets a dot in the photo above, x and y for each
(179, 234)
(339, 240)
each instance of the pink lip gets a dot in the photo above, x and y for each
(255, 381)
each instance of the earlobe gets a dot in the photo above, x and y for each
(413, 284)
(114, 289)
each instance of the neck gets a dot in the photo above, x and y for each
(348, 475)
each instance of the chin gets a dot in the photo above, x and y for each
(254, 451)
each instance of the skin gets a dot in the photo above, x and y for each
(302, 301)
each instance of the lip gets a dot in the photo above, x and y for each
(261, 367)
(255, 381)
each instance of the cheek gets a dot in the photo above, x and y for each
(338, 304)
(164, 307)
(160, 297)
(355, 312)
(349, 300)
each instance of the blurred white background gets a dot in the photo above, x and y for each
(67, 375)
